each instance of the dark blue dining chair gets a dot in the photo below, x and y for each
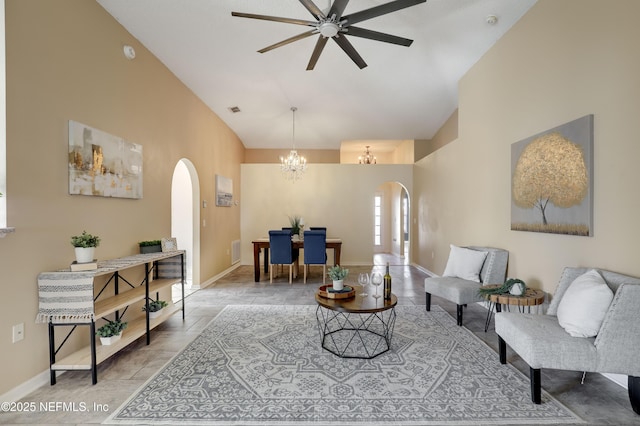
(315, 251)
(318, 228)
(282, 252)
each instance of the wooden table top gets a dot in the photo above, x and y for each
(359, 304)
(530, 297)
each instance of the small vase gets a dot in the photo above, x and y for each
(84, 254)
(517, 289)
(338, 284)
(156, 314)
(110, 340)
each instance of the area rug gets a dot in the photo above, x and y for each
(263, 365)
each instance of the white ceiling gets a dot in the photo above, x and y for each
(403, 93)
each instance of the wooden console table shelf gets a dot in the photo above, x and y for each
(87, 358)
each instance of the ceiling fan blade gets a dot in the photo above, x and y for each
(378, 36)
(350, 50)
(287, 41)
(337, 8)
(383, 9)
(313, 9)
(275, 19)
(320, 44)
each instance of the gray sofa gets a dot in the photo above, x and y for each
(543, 343)
(461, 291)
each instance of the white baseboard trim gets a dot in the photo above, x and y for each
(619, 379)
(29, 386)
(215, 278)
(423, 269)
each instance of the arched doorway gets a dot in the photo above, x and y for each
(185, 217)
(392, 224)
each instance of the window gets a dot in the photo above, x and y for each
(377, 216)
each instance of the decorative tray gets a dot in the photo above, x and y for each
(328, 292)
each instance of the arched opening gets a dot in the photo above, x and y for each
(391, 224)
(185, 217)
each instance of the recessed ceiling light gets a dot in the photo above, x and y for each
(234, 109)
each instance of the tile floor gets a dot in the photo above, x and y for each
(73, 400)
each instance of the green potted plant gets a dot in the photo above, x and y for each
(85, 245)
(150, 246)
(155, 307)
(513, 286)
(337, 274)
(111, 332)
(296, 225)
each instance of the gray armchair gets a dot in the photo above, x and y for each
(461, 291)
(542, 342)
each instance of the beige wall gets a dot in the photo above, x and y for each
(65, 61)
(268, 156)
(585, 61)
(447, 133)
(338, 196)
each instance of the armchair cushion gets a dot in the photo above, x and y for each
(584, 305)
(464, 263)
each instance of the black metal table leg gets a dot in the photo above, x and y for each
(634, 393)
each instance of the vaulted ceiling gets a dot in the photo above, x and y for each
(402, 93)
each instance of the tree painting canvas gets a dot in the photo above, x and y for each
(552, 180)
(103, 165)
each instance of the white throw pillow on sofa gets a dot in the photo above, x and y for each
(464, 263)
(584, 305)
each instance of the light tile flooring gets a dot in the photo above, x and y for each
(598, 401)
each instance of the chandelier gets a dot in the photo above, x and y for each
(367, 158)
(293, 165)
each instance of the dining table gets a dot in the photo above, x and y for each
(262, 244)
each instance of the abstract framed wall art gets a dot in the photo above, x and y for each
(103, 165)
(552, 180)
(224, 191)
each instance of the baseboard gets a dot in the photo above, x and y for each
(215, 278)
(423, 269)
(29, 386)
(619, 379)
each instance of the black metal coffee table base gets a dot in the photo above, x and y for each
(356, 335)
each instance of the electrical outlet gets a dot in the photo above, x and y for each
(18, 332)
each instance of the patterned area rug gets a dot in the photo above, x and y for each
(263, 365)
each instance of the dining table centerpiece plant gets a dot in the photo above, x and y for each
(337, 274)
(296, 223)
(85, 245)
(111, 332)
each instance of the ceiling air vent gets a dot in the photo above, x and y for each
(234, 109)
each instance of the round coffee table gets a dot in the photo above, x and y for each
(530, 298)
(357, 327)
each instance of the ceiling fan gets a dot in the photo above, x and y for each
(332, 24)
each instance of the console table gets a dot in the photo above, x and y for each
(67, 299)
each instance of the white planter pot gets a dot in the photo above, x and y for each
(85, 254)
(110, 340)
(517, 289)
(156, 314)
(338, 284)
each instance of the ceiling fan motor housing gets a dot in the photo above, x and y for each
(328, 29)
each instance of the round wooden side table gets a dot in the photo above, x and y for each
(531, 297)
